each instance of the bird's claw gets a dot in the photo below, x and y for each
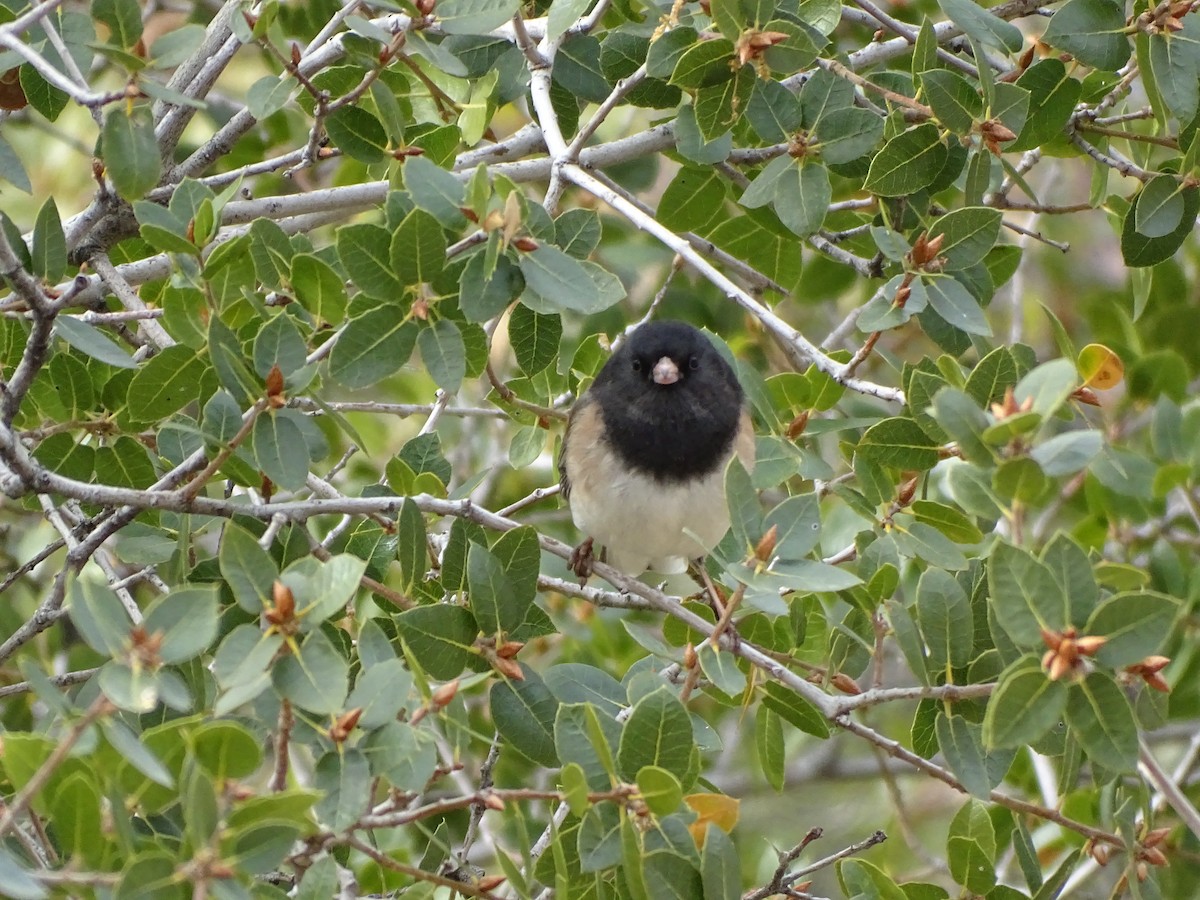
(581, 560)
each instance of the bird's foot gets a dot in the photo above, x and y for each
(581, 561)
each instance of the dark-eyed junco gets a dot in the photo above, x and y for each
(644, 454)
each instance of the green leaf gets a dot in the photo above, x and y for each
(720, 668)
(1101, 720)
(345, 778)
(1175, 68)
(703, 64)
(794, 709)
(720, 867)
(719, 107)
(444, 354)
(92, 342)
(907, 163)
(381, 692)
(1053, 94)
(599, 840)
(439, 638)
(279, 451)
(773, 111)
(133, 751)
(1067, 453)
(954, 303)
(969, 234)
(1025, 705)
(768, 740)
(560, 280)
(49, 244)
(1093, 31)
(944, 614)
(435, 190)
(123, 18)
(899, 443)
(131, 156)
(101, 619)
(316, 678)
(658, 732)
(992, 376)
(226, 749)
(318, 288)
(269, 95)
(365, 251)
(372, 346)
(358, 133)
(1160, 205)
(279, 344)
(75, 811)
(1135, 623)
(955, 102)
(660, 790)
(418, 249)
(845, 135)
(474, 16)
(802, 197)
(247, 569)
(535, 338)
(692, 200)
(497, 608)
(982, 25)
(1024, 595)
(971, 848)
(523, 711)
(563, 14)
(187, 620)
(166, 383)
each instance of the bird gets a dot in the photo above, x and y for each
(644, 453)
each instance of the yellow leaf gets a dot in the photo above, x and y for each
(719, 809)
(1100, 367)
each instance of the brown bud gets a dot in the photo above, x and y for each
(284, 601)
(1089, 645)
(845, 684)
(1085, 395)
(525, 244)
(401, 152)
(1051, 639)
(443, 694)
(1143, 871)
(509, 668)
(420, 309)
(765, 548)
(425, 7)
(509, 649)
(344, 725)
(1154, 856)
(493, 802)
(797, 425)
(295, 54)
(1101, 853)
(1155, 837)
(1155, 663)
(689, 657)
(267, 488)
(902, 294)
(274, 381)
(907, 490)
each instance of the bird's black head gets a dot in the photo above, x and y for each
(670, 401)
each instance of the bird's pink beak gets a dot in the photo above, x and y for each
(665, 371)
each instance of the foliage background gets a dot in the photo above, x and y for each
(297, 297)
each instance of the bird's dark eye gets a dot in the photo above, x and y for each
(694, 363)
(637, 365)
